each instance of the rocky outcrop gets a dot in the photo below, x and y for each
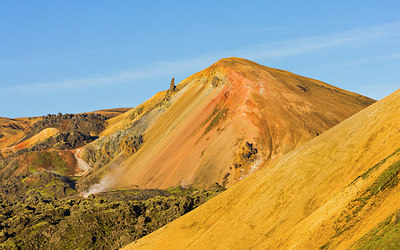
(85, 124)
(127, 141)
(215, 81)
(166, 101)
(169, 93)
(246, 155)
(172, 85)
(107, 148)
(243, 164)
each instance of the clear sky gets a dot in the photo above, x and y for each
(76, 56)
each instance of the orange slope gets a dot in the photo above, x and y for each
(216, 111)
(13, 130)
(308, 199)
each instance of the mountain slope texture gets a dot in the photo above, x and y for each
(222, 123)
(338, 190)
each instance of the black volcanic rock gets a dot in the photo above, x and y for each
(87, 124)
(75, 131)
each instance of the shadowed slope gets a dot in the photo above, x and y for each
(327, 193)
(227, 120)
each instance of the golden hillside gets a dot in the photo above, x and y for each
(338, 190)
(13, 130)
(222, 123)
(39, 137)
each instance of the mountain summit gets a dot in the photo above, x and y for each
(224, 122)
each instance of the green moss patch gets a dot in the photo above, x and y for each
(386, 180)
(376, 166)
(51, 160)
(222, 114)
(384, 236)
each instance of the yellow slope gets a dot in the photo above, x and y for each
(13, 130)
(39, 137)
(125, 119)
(296, 201)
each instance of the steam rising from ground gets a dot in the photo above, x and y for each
(104, 185)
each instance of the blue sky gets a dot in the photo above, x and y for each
(77, 56)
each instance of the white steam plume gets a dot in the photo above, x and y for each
(104, 185)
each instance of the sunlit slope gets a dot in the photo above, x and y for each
(327, 193)
(39, 137)
(13, 130)
(126, 119)
(224, 122)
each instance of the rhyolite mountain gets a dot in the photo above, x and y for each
(217, 126)
(339, 190)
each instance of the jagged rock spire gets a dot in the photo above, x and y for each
(172, 85)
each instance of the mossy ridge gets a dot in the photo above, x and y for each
(222, 114)
(376, 166)
(386, 235)
(387, 179)
(212, 117)
(213, 113)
